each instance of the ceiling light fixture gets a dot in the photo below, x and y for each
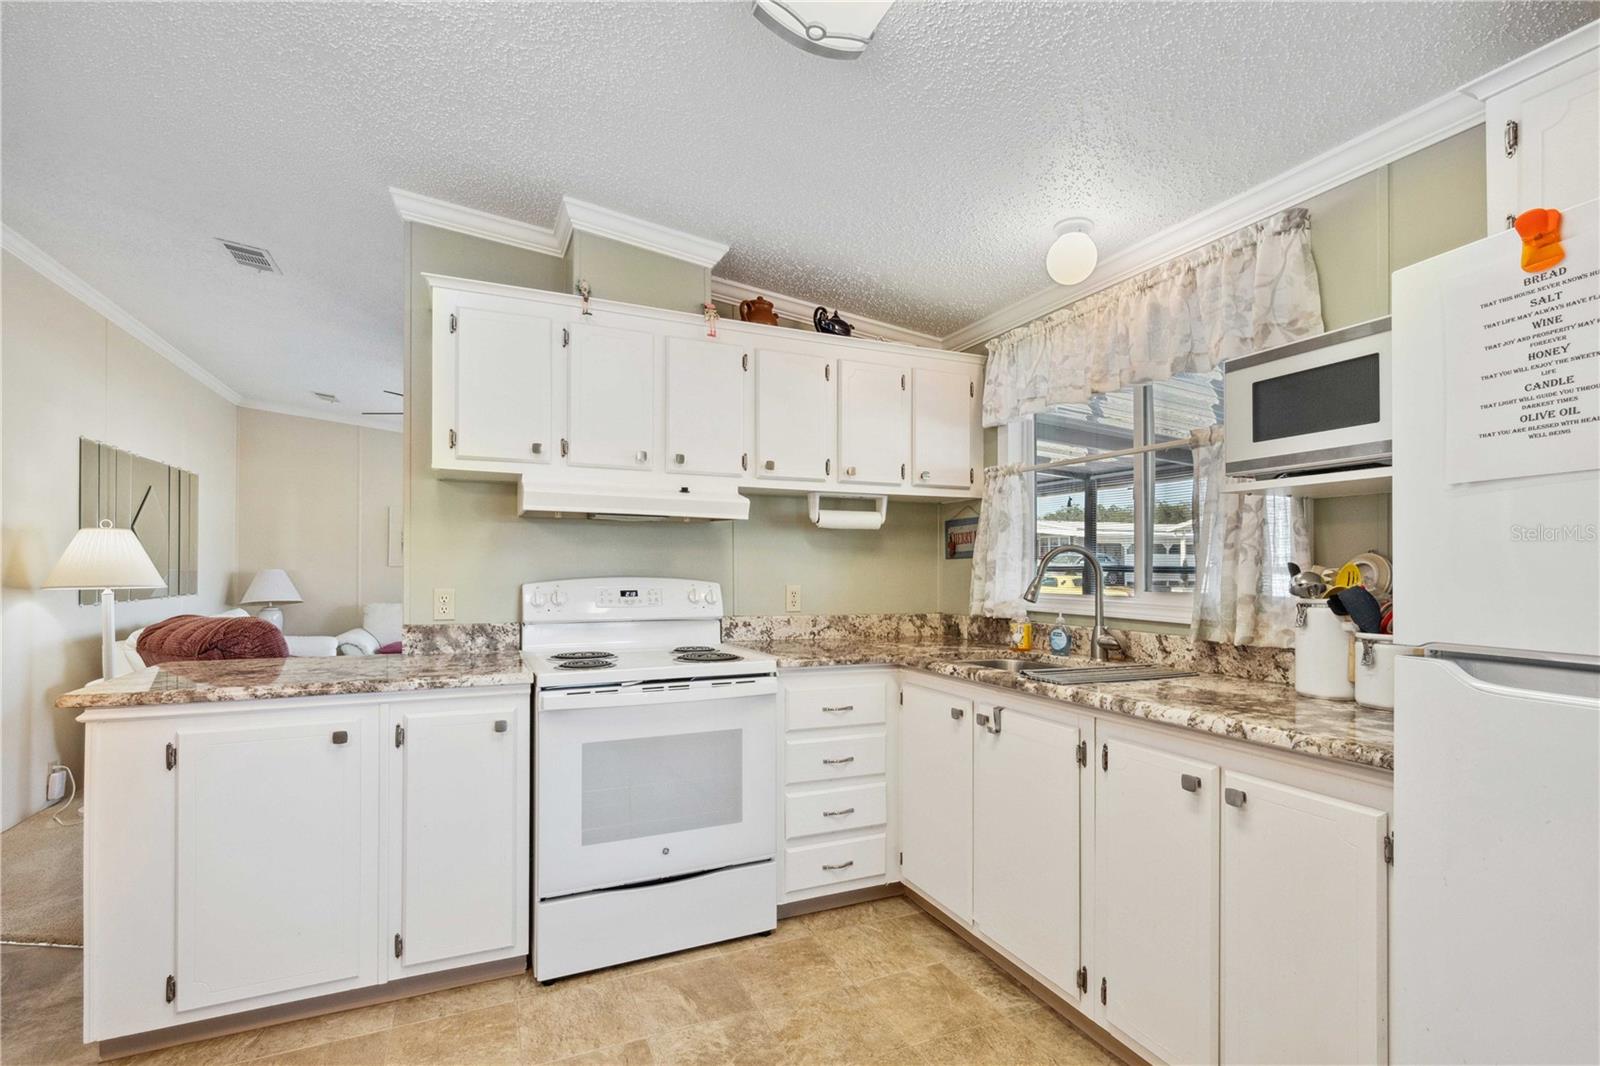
(1073, 255)
(836, 29)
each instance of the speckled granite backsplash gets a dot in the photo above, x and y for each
(447, 638)
(1167, 649)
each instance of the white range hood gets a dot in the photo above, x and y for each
(628, 503)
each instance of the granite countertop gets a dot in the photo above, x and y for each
(219, 681)
(1257, 712)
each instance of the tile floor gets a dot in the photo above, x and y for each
(876, 983)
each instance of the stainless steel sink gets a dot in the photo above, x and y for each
(1101, 674)
(1015, 666)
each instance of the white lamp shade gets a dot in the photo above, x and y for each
(271, 586)
(1071, 258)
(101, 557)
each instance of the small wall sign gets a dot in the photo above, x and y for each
(959, 534)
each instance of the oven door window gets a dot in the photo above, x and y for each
(649, 786)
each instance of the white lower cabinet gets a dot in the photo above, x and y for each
(270, 851)
(936, 796)
(1304, 931)
(1026, 806)
(1156, 861)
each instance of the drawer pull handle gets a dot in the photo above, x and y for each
(838, 865)
(838, 762)
(1190, 782)
(840, 709)
(1233, 797)
(838, 814)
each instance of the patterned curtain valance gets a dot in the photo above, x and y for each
(1249, 290)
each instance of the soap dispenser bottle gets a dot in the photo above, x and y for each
(1060, 637)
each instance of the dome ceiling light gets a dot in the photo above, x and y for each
(1073, 255)
(836, 29)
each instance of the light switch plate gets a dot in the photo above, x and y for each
(444, 605)
(791, 598)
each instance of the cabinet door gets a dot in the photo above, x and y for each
(794, 416)
(874, 433)
(462, 805)
(611, 397)
(504, 365)
(1304, 926)
(936, 797)
(941, 428)
(1156, 855)
(705, 407)
(277, 846)
(1025, 838)
(1556, 161)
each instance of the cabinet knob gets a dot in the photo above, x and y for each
(770, 465)
(501, 725)
(925, 475)
(538, 448)
(1190, 782)
(340, 736)
(641, 455)
(958, 713)
(678, 458)
(1233, 797)
(850, 471)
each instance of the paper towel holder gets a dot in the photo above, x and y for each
(834, 518)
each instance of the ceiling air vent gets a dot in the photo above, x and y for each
(247, 256)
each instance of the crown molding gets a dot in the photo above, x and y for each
(1583, 39)
(583, 217)
(414, 207)
(1432, 122)
(87, 294)
(363, 421)
(734, 292)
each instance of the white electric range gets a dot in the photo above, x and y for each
(655, 782)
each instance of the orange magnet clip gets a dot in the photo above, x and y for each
(1540, 230)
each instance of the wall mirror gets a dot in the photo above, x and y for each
(160, 503)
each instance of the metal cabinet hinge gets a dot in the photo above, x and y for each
(1102, 991)
(566, 337)
(972, 390)
(172, 988)
(399, 945)
(1083, 753)
(1511, 220)
(827, 466)
(827, 371)
(1105, 757)
(972, 476)
(399, 735)
(452, 438)
(902, 857)
(744, 461)
(1513, 135)
(1388, 849)
(902, 383)
(172, 756)
(452, 322)
(902, 471)
(1083, 978)
(902, 699)
(744, 361)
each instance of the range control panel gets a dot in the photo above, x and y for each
(619, 598)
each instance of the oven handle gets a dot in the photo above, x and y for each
(654, 693)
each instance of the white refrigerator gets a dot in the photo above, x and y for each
(1495, 932)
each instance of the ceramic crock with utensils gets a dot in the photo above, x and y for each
(1321, 652)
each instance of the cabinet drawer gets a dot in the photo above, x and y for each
(861, 703)
(832, 863)
(856, 807)
(830, 757)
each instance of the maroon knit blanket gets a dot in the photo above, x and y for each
(191, 637)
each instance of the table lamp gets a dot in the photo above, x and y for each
(270, 587)
(108, 559)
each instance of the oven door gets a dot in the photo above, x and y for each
(653, 781)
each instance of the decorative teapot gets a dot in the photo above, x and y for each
(758, 310)
(833, 324)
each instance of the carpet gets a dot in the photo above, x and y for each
(41, 880)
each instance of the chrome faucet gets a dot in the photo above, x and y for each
(1099, 640)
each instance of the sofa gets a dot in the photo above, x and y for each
(125, 652)
(380, 627)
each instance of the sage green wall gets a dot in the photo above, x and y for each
(466, 535)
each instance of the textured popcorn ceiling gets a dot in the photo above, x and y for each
(917, 184)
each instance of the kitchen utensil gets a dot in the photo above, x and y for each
(1307, 585)
(1349, 576)
(1321, 652)
(1362, 607)
(1376, 573)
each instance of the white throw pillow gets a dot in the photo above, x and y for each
(382, 620)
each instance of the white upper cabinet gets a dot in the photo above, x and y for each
(503, 384)
(936, 797)
(874, 427)
(1156, 886)
(705, 407)
(1543, 138)
(794, 416)
(611, 396)
(943, 406)
(1304, 931)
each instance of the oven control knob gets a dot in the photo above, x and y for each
(711, 595)
(694, 595)
(558, 598)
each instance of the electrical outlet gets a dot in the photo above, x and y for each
(791, 598)
(444, 605)
(55, 785)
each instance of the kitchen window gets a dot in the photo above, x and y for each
(1138, 514)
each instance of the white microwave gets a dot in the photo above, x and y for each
(1316, 404)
